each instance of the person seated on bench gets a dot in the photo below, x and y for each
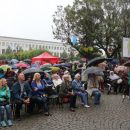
(79, 90)
(65, 90)
(56, 81)
(38, 94)
(93, 88)
(5, 104)
(21, 94)
(49, 89)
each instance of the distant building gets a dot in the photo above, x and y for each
(16, 44)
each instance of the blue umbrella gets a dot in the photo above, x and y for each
(14, 61)
(66, 65)
(13, 66)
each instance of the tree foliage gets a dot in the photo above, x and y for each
(100, 24)
(22, 55)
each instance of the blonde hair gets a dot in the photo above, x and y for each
(35, 76)
(7, 88)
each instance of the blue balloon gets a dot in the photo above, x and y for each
(74, 40)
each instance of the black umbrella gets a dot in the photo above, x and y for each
(127, 64)
(96, 61)
(66, 64)
(32, 71)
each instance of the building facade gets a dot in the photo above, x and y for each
(16, 44)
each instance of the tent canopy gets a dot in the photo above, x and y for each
(46, 57)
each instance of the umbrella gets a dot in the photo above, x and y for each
(27, 60)
(32, 71)
(5, 67)
(57, 65)
(55, 69)
(13, 66)
(93, 70)
(22, 65)
(66, 64)
(45, 68)
(60, 66)
(36, 65)
(127, 64)
(96, 61)
(14, 61)
(46, 65)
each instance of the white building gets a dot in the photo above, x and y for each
(15, 44)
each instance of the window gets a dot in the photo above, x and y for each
(40, 46)
(3, 51)
(3, 43)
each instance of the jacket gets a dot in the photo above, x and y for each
(77, 86)
(40, 90)
(17, 91)
(5, 94)
(64, 89)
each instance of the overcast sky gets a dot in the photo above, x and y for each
(30, 19)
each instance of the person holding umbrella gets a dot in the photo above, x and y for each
(92, 88)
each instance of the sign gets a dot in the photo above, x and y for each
(126, 47)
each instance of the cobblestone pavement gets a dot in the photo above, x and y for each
(112, 114)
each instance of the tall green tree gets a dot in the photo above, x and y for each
(100, 24)
(8, 50)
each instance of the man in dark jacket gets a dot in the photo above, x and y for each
(21, 93)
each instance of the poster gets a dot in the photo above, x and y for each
(126, 47)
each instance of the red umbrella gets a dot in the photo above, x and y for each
(22, 65)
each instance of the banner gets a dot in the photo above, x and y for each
(126, 47)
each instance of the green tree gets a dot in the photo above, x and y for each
(8, 50)
(100, 24)
(64, 54)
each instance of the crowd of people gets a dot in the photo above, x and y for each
(17, 89)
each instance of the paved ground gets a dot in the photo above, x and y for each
(112, 114)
